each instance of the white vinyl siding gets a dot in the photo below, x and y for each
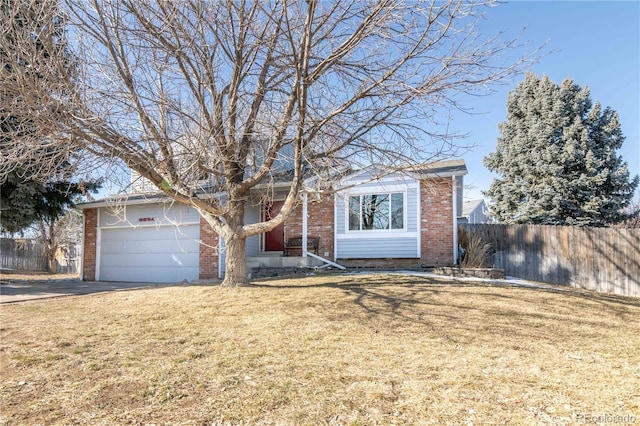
(252, 215)
(147, 215)
(413, 212)
(376, 248)
(222, 258)
(378, 243)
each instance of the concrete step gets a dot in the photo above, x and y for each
(270, 261)
(254, 264)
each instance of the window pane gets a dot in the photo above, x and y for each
(354, 213)
(375, 211)
(397, 211)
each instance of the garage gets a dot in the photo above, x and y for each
(148, 244)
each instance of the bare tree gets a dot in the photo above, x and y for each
(204, 98)
(55, 233)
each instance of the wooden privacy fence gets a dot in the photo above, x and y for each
(602, 259)
(22, 254)
(29, 254)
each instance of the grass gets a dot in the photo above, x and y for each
(335, 349)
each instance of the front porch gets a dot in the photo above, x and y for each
(303, 240)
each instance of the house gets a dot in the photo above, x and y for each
(403, 219)
(473, 211)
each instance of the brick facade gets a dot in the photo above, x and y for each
(319, 224)
(209, 247)
(436, 233)
(436, 222)
(90, 244)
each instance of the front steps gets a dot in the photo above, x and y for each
(276, 260)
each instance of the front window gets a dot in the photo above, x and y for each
(376, 212)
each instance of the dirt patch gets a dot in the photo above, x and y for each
(122, 393)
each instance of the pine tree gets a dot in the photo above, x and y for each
(24, 202)
(28, 196)
(557, 158)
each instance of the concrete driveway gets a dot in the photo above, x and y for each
(20, 290)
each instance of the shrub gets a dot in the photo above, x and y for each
(477, 253)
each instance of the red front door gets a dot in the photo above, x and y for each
(274, 239)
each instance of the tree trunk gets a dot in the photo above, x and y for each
(47, 233)
(236, 263)
(51, 259)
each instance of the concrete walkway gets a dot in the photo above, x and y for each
(12, 291)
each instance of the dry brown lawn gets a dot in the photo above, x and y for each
(335, 349)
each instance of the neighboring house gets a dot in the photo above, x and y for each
(473, 211)
(400, 220)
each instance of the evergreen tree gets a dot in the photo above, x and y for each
(32, 48)
(557, 158)
(24, 202)
(28, 196)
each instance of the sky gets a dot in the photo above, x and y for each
(596, 44)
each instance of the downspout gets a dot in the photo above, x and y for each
(454, 200)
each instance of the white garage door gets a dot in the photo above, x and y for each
(161, 254)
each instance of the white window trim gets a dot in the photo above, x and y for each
(377, 232)
(365, 235)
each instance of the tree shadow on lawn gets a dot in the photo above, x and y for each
(438, 285)
(491, 309)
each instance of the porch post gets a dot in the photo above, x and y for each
(454, 196)
(304, 224)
